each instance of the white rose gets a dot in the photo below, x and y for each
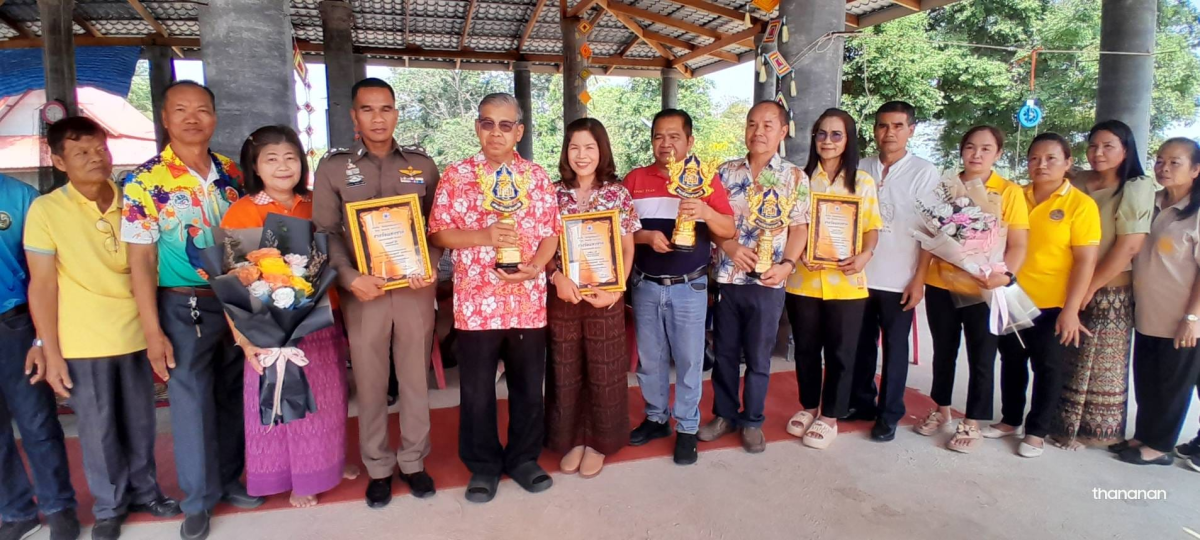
(943, 210)
(973, 212)
(299, 271)
(949, 229)
(261, 290)
(283, 297)
(962, 201)
(295, 260)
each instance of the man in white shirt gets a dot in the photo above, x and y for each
(897, 271)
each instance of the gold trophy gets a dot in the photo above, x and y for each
(769, 213)
(689, 180)
(504, 192)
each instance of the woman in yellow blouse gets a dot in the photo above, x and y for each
(825, 305)
(1064, 239)
(1095, 386)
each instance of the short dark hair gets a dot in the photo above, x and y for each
(72, 128)
(993, 130)
(898, 107)
(1131, 168)
(849, 166)
(371, 82)
(1193, 149)
(1050, 136)
(254, 145)
(673, 113)
(779, 108)
(606, 168)
(212, 98)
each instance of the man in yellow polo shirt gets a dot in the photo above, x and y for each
(82, 303)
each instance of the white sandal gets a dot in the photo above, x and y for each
(933, 424)
(800, 423)
(826, 433)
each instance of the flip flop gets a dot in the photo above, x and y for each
(800, 423)
(482, 488)
(532, 477)
(827, 432)
(965, 440)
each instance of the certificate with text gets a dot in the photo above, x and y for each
(389, 239)
(835, 233)
(591, 250)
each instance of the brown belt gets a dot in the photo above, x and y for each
(199, 292)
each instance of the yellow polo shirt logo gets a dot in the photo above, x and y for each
(1057, 215)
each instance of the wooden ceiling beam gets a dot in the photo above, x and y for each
(615, 7)
(579, 8)
(914, 5)
(714, 9)
(87, 26)
(641, 34)
(718, 45)
(17, 27)
(600, 13)
(157, 26)
(462, 41)
(91, 41)
(852, 20)
(533, 20)
(726, 56)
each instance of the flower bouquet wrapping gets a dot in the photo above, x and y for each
(963, 228)
(272, 283)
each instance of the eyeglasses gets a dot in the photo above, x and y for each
(835, 136)
(487, 124)
(110, 242)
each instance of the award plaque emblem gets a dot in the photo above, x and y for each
(688, 180)
(505, 193)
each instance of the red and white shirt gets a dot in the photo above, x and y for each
(481, 300)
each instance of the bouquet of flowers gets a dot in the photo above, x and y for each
(272, 283)
(963, 228)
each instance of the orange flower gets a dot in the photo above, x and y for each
(262, 253)
(246, 274)
(276, 281)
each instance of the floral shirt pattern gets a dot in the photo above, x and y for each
(832, 284)
(482, 301)
(163, 197)
(610, 196)
(736, 176)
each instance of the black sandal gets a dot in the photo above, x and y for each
(482, 488)
(532, 477)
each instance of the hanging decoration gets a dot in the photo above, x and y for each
(308, 109)
(785, 30)
(791, 120)
(585, 74)
(772, 32)
(585, 53)
(779, 64)
(766, 5)
(585, 27)
(760, 68)
(1030, 114)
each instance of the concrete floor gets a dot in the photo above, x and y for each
(910, 488)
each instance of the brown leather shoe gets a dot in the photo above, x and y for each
(753, 440)
(717, 428)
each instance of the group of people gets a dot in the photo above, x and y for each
(98, 295)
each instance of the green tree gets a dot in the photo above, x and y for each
(139, 90)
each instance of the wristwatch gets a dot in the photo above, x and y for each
(1012, 279)
(1189, 318)
(38, 342)
(789, 261)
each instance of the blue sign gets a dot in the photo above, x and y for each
(1030, 114)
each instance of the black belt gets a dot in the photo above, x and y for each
(667, 281)
(199, 292)
(14, 312)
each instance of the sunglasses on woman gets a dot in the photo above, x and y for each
(487, 124)
(835, 136)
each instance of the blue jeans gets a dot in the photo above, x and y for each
(36, 415)
(670, 325)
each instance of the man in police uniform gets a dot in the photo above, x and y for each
(399, 321)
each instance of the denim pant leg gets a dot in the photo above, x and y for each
(761, 309)
(654, 355)
(36, 417)
(687, 309)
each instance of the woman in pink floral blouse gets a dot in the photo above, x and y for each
(587, 414)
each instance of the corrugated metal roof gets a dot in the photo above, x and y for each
(391, 28)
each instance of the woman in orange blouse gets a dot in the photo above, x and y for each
(307, 456)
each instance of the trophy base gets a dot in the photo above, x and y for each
(685, 249)
(508, 268)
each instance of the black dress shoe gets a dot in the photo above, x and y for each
(107, 529)
(883, 432)
(195, 526)
(685, 449)
(1134, 456)
(420, 483)
(861, 415)
(379, 492)
(64, 525)
(236, 495)
(162, 507)
(648, 431)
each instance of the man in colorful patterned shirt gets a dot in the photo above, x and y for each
(498, 314)
(748, 309)
(179, 195)
(669, 288)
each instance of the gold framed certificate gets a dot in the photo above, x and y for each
(591, 250)
(389, 239)
(835, 233)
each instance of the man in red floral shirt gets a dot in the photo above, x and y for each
(498, 314)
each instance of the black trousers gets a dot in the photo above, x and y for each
(883, 312)
(1163, 378)
(1043, 351)
(831, 327)
(947, 325)
(747, 321)
(524, 353)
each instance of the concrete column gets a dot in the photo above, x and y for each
(1126, 81)
(247, 57)
(765, 90)
(523, 89)
(670, 88)
(58, 64)
(573, 108)
(360, 67)
(819, 75)
(337, 22)
(162, 74)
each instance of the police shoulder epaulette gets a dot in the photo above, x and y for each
(333, 152)
(414, 149)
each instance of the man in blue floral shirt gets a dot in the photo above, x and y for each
(750, 304)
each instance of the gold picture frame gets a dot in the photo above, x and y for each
(826, 237)
(405, 232)
(610, 253)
